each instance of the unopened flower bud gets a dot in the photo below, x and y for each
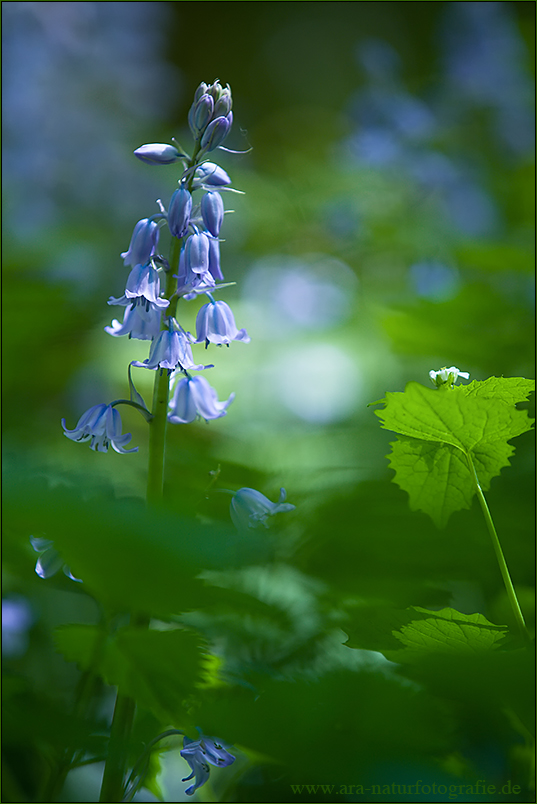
(224, 103)
(210, 174)
(201, 90)
(197, 253)
(143, 243)
(179, 212)
(157, 153)
(216, 132)
(200, 114)
(212, 212)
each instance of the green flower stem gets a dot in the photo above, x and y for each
(84, 694)
(510, 589)
(118, 751)
(161, 389)
(113, 784)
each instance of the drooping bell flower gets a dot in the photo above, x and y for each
(139, 323)
(143, 289)
(198, 754)
(215, 324)
(193, 397)
(170, 350)
(143, 243)
(250, 509)
(101, 424)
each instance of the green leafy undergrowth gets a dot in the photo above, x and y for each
(159, 669)
(444, 434)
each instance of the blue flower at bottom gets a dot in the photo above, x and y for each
(198, 753)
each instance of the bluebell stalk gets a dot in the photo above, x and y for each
(152, 291)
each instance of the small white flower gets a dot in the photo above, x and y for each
(447, 376)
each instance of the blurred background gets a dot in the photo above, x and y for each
(386, 229)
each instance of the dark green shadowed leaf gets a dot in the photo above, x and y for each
(159, 669)
(131, 558)
(415, 633)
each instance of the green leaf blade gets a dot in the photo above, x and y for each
(436, 477)
(439, 429)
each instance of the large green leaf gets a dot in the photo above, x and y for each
(159, 669)
(444, 432)
(412, 634)
(130, 558)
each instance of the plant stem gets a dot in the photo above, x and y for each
(113, 784)
(161, 389)
(114, 770)
(510, 589)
